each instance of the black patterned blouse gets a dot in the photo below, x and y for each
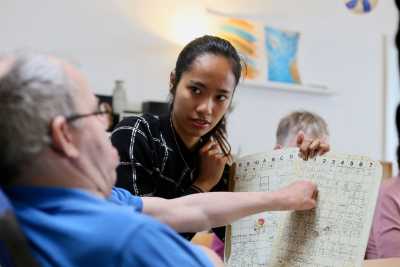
(153, 159)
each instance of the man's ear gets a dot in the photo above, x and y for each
(62, 138)
(172, 80)
(278, 146)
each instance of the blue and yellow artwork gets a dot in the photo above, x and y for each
(281, 51)
(360, 6)
(242, 34)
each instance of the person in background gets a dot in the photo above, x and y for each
(58, 170)
(293, 128)
(298, 125)
(384, 239)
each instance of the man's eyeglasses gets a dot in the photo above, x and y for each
(104, 112)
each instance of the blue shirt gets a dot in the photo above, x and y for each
(71, 227)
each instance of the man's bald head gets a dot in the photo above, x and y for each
(6, 62)
(310, 123)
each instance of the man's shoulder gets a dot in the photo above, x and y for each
(125, 218)
(157, 244)
(140, 240)
(123, 197)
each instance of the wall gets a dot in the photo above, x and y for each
(339, 49)
(392, 100)
(121, 40)
(96, 35)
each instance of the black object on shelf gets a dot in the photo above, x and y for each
(115, 117)
(155, 108)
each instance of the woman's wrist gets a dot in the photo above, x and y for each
(197, 189)
(203, 185)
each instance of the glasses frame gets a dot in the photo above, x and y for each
(102, 109)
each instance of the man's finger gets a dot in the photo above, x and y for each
(314, 148)
(300, 138)
(315, 144)
(304, 150)
(315, 194)
(313, 203)
(324, 148)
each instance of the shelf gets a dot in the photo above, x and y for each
(294, 88)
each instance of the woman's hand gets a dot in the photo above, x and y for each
(309, 148)
(212, 164)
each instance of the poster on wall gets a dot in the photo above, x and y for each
(244, 36)
(270, 54)
(281, 50)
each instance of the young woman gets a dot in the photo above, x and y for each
(185, 151)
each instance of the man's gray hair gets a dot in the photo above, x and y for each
(310, 123)
(33, 91)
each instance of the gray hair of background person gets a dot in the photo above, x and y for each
(310, 123)
(33, 91)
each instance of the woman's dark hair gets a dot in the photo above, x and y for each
(208, 45)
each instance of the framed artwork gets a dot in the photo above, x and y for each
(270, 54)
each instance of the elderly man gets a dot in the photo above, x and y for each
(298, 125)
(58, 169)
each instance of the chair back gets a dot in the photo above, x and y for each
(14, 249)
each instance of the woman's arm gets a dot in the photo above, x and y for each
(199, 212)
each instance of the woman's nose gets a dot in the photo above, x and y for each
(205, 106)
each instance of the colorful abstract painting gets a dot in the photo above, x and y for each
(360, 6)
(243, 36)
(281, 52)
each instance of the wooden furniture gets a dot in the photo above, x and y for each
(389, 262)
(203, 238)
(14, 248)
(387, 169)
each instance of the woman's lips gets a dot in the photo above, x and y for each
(200, 124)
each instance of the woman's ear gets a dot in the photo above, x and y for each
(62, 137)
(172, 80)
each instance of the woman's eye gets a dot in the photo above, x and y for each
(195, 90)
(222, 98)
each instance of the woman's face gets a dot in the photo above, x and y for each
(202, 96)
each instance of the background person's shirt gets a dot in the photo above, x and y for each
(384, 239)
(71, 227)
